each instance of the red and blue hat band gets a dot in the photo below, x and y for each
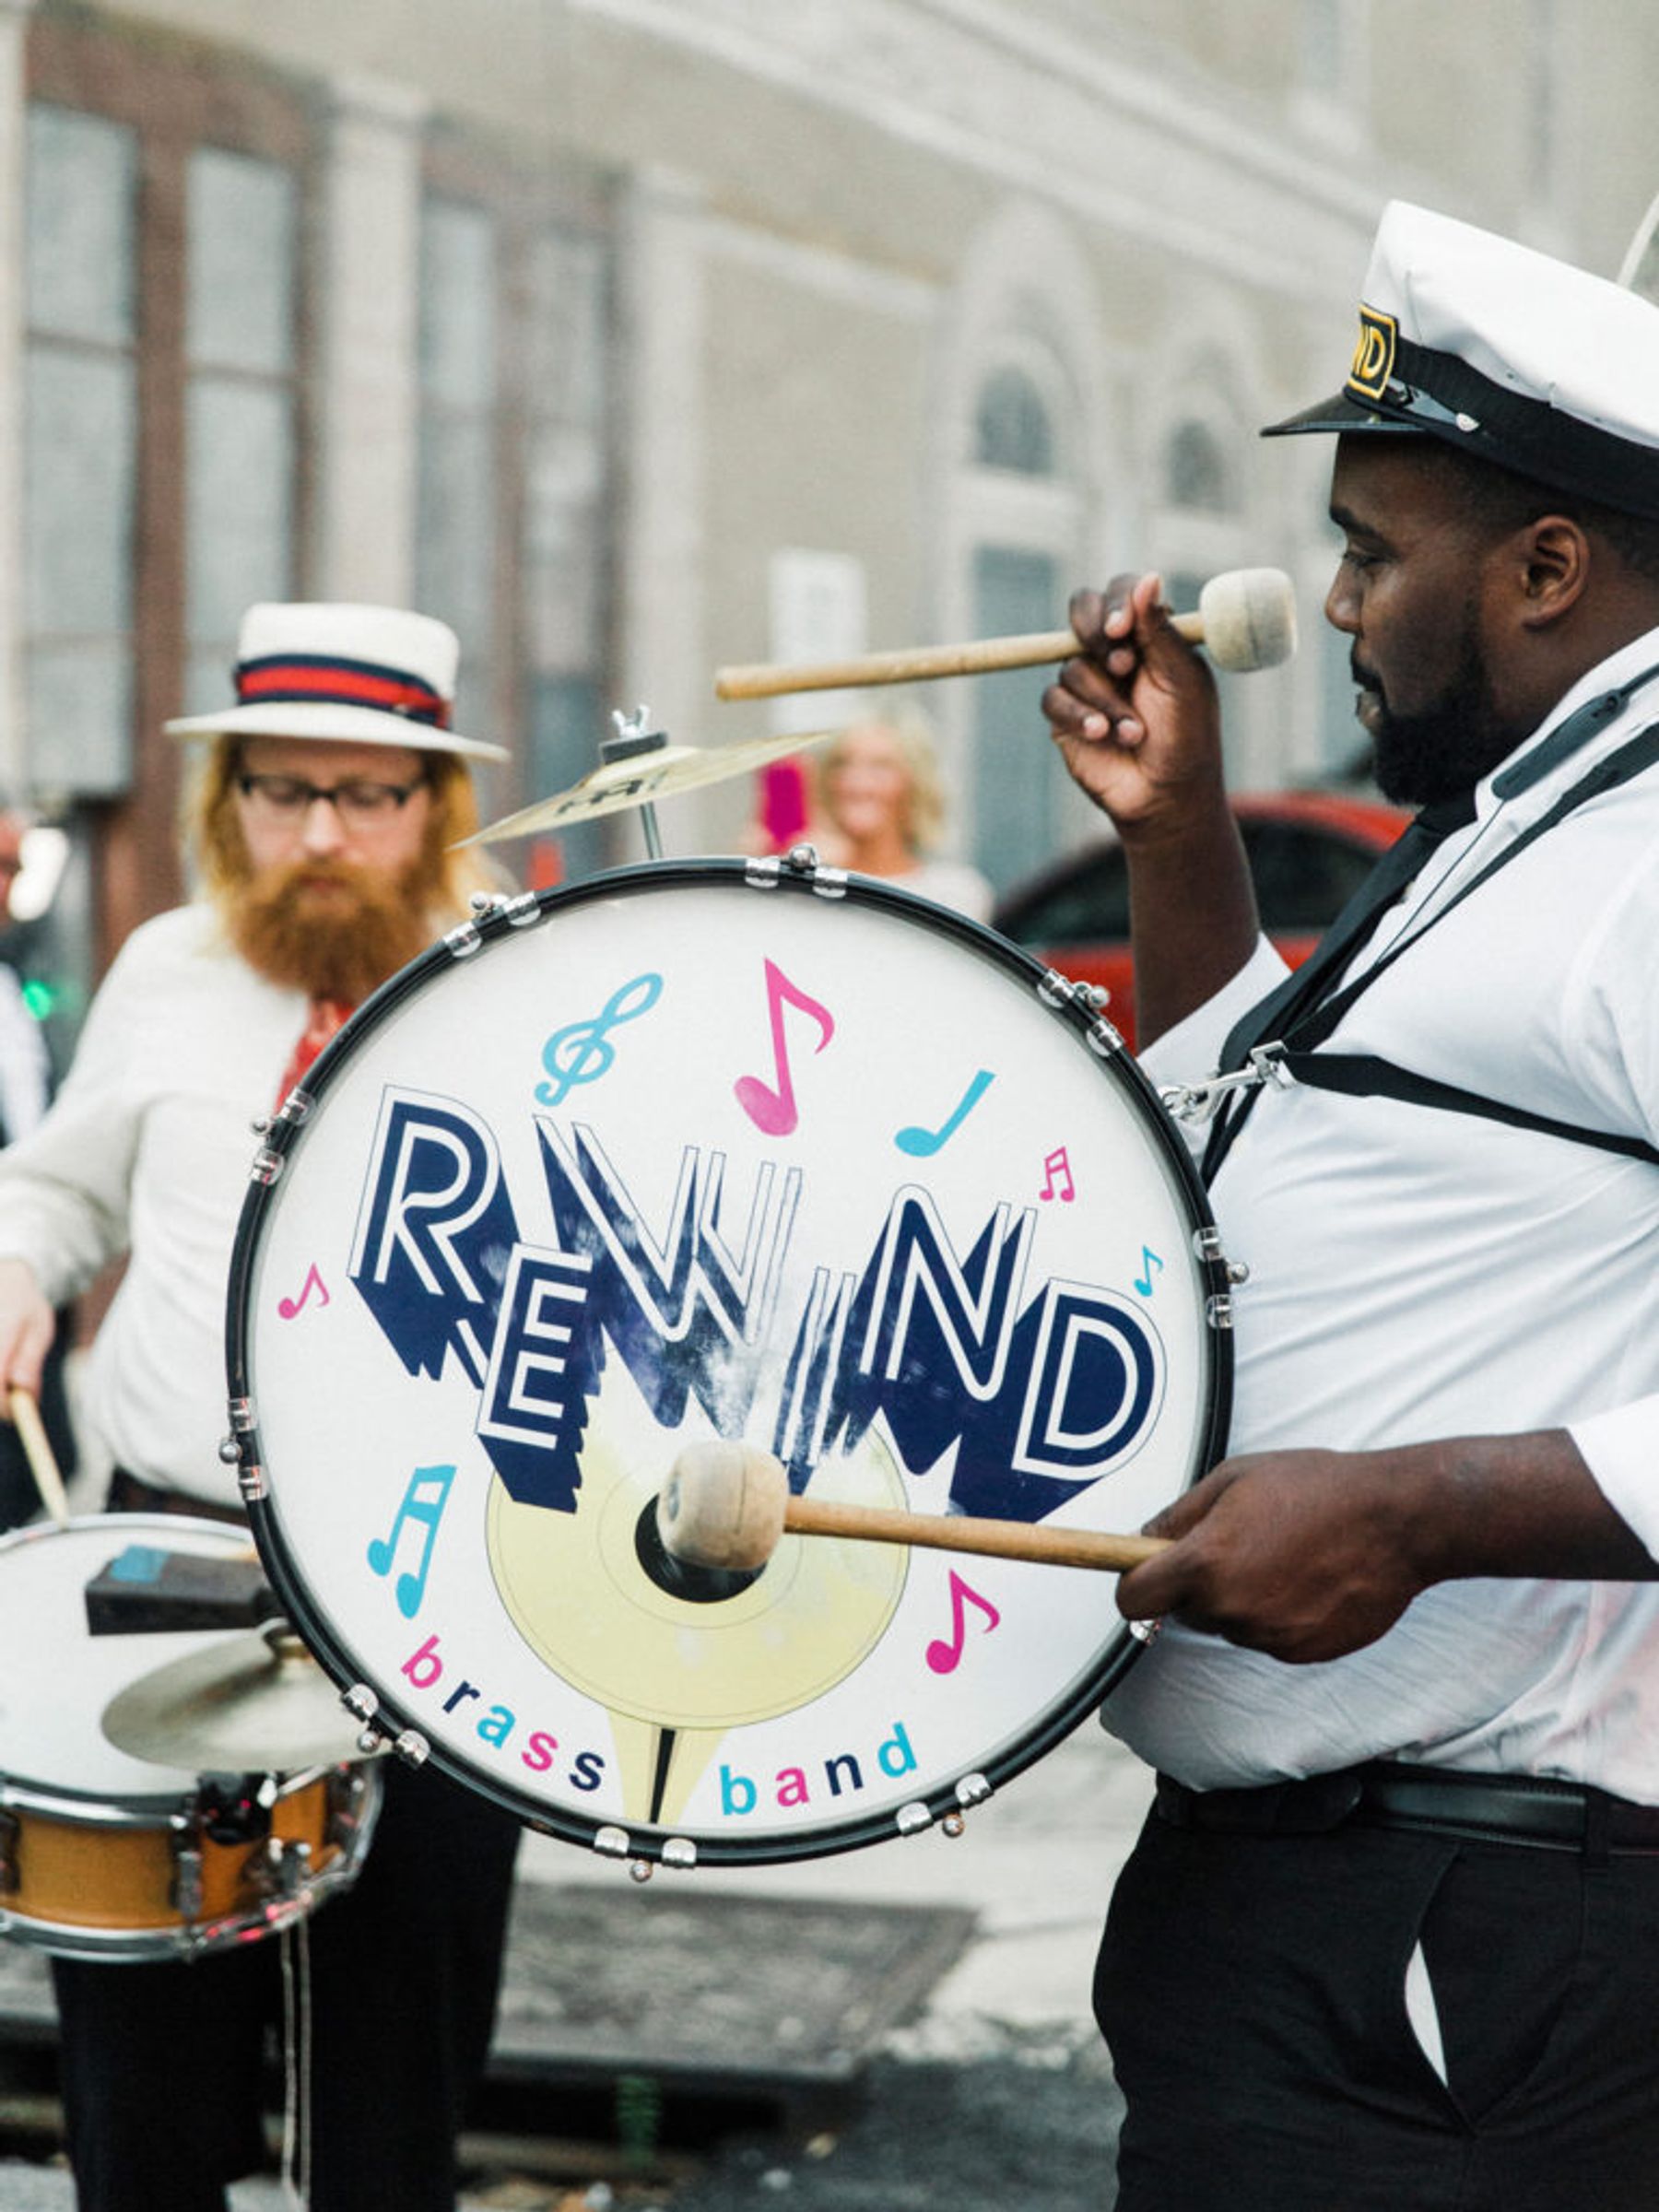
(320, 679)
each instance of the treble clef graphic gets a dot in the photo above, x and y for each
(582, 1051)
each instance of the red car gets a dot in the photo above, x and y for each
(1309, 851)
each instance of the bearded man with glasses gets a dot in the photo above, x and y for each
(321, 828)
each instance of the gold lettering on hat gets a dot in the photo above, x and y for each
(1374, 354)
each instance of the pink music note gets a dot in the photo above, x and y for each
(945, 1658)
(774, 1111)
(423, 1503)
(288, 1307)
(1057, 1163)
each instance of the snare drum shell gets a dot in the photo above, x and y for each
(760, 1085)
(104, 1855)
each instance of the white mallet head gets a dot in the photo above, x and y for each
(723, 1506)
(1246, 619)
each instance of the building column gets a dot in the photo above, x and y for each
(365, 507)
(662, 659)
(14, 121)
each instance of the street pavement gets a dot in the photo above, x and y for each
(996, 2095)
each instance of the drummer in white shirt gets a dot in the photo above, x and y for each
(1391, 1937)
(325, 816)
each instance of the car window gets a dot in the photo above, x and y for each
(1304, 876)
(1088, 903)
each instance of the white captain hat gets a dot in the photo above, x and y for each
(334, 669)
(1506, 354)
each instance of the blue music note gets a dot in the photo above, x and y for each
(1151, 1266)
(423, 1502)
(920, 1144)
(581, 1051)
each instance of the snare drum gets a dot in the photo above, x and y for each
(104, 1856)
(717, 1149)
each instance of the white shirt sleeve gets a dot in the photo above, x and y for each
(1621, 1449)
(64, 1187)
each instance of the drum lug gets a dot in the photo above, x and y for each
(910, 1820)
(1145, 1631)
(267, 1166)
(1219, 1311)
(187, 1883)
(613, 1842)
(1056, 990)
(462, 941)
(412, 1747)
(679, 1850)
(802, 864)
(250, 1483)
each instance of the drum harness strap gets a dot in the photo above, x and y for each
(1249, 1066)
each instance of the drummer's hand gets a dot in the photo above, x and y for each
(27, 1328)
(1135, 714)
(1303, 1555)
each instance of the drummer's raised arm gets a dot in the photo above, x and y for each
(1137, 719)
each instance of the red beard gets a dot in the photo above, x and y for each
(330, 929)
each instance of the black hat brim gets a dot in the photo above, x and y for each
(1341, 413)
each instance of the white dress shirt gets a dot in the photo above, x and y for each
(1415, 1272)
(148, 1144)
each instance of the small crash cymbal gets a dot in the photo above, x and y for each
(642, 778)
(252, 1703)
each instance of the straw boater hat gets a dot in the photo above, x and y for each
(1506, 354)
(358, 675)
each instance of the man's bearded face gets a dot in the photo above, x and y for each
(326, 904)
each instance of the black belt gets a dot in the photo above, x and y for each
(1481, 1808)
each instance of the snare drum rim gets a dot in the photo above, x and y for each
(506, 919)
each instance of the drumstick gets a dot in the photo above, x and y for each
(1246, 619)
(37, 1450)
(727, 1505)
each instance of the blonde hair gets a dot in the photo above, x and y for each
(912, 735)
(214, 843)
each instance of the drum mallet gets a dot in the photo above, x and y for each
(727, 1505)
(38, 1452)
(1246, 619)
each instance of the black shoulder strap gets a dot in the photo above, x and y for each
(1630, 759)
(1362, 1076)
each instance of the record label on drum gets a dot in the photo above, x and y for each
(686, 1161)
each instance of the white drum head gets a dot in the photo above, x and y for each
(673, 1156)
(56, 1678)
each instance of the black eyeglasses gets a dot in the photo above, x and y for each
(359, 805)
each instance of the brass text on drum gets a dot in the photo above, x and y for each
(498, 1724)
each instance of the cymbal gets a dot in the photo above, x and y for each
(252, 1703)
(641, 779)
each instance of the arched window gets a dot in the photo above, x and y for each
(1196, 477)
(1012, 426)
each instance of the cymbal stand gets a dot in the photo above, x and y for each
(631, 739)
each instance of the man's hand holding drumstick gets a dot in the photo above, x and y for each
(1137, 718)
(28, 1326)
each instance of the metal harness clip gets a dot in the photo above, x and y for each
(1198, 1101)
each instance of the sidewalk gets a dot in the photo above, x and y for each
(999, 2068)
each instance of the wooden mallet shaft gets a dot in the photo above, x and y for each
(951, 1531)
(726, 1503)
(1246, 619)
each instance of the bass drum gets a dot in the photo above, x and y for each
(716, 1150)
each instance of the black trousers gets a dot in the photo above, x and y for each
(163, 2065)
(1251, 1991)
